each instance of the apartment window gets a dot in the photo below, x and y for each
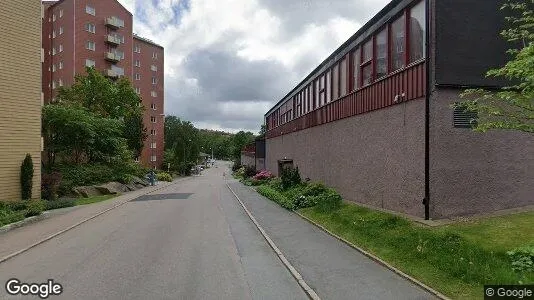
(153, 158)
(153, 145)
(53, 84)
(356, 67)
(138, 90)
(153, 132)
(60, 82)
(367, 67)
(153, 106)
(90, 10)
(90, 63)
(60, 48)
(53, 67)
(417, 32)
(137, 49)
(90, 27)
(328, 86)
(61, 65)
(316, 100)
(53, 17)
(54, 51)
(60, 30)
(153, 68)
(153, 119)
(154, 81)
(321, 91)
(136, 159)
(54, 34)
(137, 63)
(137, 76)
(120, 54)
(343, 78)
(90, 45)
(154, 55)
(61, 13)
(153, 94)
(382, 54)
(397, 44)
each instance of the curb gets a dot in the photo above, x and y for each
(377, 259)
(29, 220)
(5, 258)
(309, 291)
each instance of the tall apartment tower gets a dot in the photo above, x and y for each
(20, 94)
(95, 33)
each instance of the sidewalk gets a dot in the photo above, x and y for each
(22, 237)
(333, 269)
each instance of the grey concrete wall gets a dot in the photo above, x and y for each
(248, 160)
(375, 158)
(260, 164)
(476, 172)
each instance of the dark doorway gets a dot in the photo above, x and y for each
(284, 163)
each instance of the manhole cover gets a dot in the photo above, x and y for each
(174, 196)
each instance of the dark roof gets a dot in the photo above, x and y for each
(146, 41)
(362, 32)
(60, 1)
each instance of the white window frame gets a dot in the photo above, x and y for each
(60, 48)
(90, 10)
(60, 82)
(90, 27)
(154, 80)
(60, 65)
(60, 30)
(88, 47)
(92, 64)
(61, 13)
(153, 94)
(153, 119)
(137, 49)
(154, 68)
(53, 68)
(53, 17)
(137, 76)
(53, 51)
(138, 90)
(153, 106)
(153, 145)
(137, 63)
(53, 34)
(153, 158)
(153, 132)
(154, 55)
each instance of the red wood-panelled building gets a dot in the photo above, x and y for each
(374, 120)
(99, 33)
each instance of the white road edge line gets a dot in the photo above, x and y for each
(309, 291)
(2, 260)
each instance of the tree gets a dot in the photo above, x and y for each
(26, 177)
(135, 133)
(240, 140)
(263, 130)
(512, 107)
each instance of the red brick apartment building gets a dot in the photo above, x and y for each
(99, 33)
(374, 119)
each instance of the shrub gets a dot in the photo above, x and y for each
(250, 171)
(328, 201)
(276, 184)
(50, 183)
(8, 216)
(522, 259)
(290, 177)
(49, 205)
(314, 189)
(163, 176)
(240, 173)
(263, 175)
(26, 177)
(236, 166)
(275, 196)
(34, 208)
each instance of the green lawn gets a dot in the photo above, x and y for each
(456, 260)
(95, 199)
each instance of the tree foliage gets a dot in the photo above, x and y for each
(512, 107)
(26, 177)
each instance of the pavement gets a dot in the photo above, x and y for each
(191, 239)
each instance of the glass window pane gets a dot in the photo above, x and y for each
(328, 86)
(321, 92)
(367, 73)
(356, 69)
(417, 32)
(397, 44)
(316, 100)
(368, 51)
(335, 82)
(382, 54)
(343, 78)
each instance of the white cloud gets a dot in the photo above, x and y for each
(288, 38)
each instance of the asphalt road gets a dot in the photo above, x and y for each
(191, 240)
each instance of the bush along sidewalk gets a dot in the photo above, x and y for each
(456, 260)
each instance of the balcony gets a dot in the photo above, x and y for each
(114, 72)
(114, 40)
(114, 22)
(113, 57)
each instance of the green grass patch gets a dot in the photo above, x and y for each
(95, 199)
(457, 260)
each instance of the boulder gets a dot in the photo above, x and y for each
(139, 186)
(112, 188)
(139, 181)
(87, 191)
(131, 186)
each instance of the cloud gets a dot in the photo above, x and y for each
(227, 62)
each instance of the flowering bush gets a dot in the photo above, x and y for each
(262, 175)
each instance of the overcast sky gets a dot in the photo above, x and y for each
(227, 62)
